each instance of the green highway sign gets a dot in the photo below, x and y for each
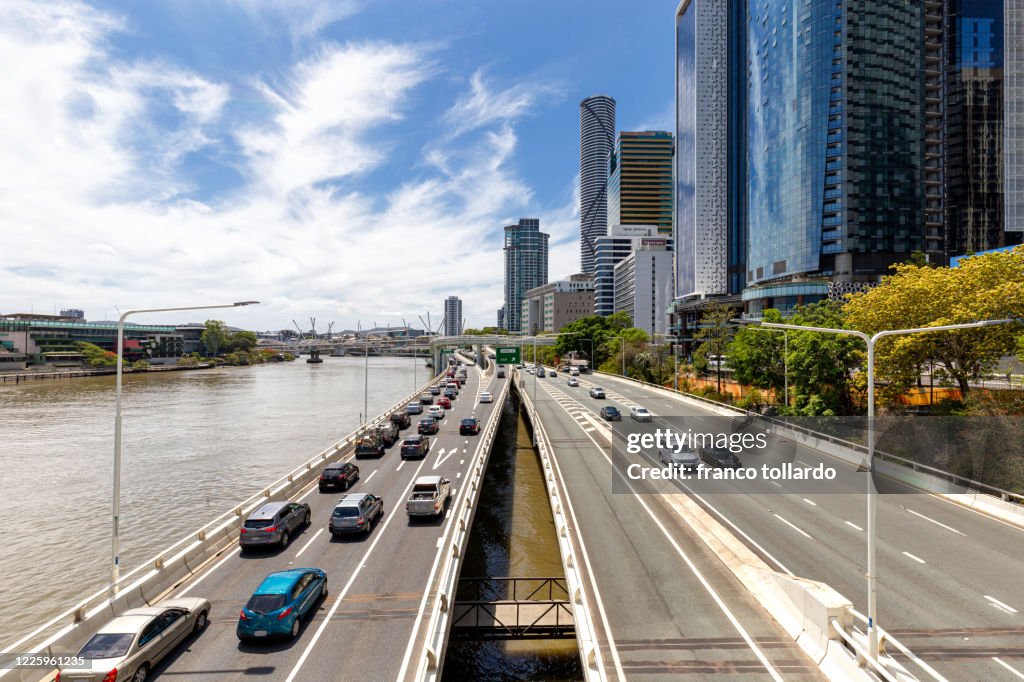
(507, 356)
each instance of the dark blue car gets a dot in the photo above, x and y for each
(279, 604)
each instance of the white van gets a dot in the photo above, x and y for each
(574, 371)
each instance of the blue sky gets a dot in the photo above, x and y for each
(348, 160)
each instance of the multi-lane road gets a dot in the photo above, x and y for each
(951, 586)
(368, 626)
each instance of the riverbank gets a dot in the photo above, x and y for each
(21, 376)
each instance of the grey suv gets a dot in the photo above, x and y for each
(274, 523)
(356, 513)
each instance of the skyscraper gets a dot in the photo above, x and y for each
(620, 241)
(452, 316)
(640, 180)
(1013, 125)
(526, 266)
(597, 140)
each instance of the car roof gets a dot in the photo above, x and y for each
(267, 510)
(351, 499)
(280, 582)
(430, 480)
(469, 419)
(129, 622)
(415, 436)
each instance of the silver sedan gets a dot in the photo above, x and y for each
(138, 639)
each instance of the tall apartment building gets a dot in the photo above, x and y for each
(551, 306)
(644, 287)
(526, 266)
(640, 180)
(453, 316)
(597, 140)
(1013, 125)
(620, 241)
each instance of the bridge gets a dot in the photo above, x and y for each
(668, 585)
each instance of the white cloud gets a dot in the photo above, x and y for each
(304, 18)
(484, 105)
(94, 201)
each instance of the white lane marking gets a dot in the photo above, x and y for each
(1001, 604)
(811, 502)
(206, 574)
(400, 465)
(379, 533)
(804, 464)
(937, 523)
(307, 493)
(458, 475)
(372, 474)
(798, 530)
(444, 422)
(590, 429)
(853, 525)
(309, 542)
(1008, 667)
(917, 559)
(441, 460)
(776, 484)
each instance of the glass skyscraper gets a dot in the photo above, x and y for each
(640, 180)
(526, 266)
(597, 141)
(1013, 98)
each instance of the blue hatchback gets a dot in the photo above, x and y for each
(280, 603)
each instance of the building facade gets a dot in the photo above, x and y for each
(620, 241)
(597, 140)
(1013, 128)
(501, 317)
(640, 180)
(453, 316)
(526, 266)
(644, 288)
(53, 340)
(551, 306)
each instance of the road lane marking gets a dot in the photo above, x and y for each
(937, 523)
(917, 559)
(853, 525)
(309, 542)
(776, 484)
(1008, 667)
(400, 465)
(234, 553)
(811, 502)
(458, 475)
(798, 530)
(1000, 604)
(372, 474)
(441, 460)
(804, 464)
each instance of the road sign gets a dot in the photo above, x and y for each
(507, 356)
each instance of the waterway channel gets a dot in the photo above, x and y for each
(195, 444)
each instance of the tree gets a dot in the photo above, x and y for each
(713, 336)
(982, 287)
(95, 356)
(593, 332)
(240, 341)
(214, 338)
(821, 364)
(756, 355)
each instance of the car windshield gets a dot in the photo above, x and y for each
(611, 410)
(265, 603)
(346, 511)
(107, 645)
(468, 422)
(332, 472)
(259, 523)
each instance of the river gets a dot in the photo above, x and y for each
(195, 444)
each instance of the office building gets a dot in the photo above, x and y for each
(526, 266)
(620, 241)
(501, 317)
(452, 316)
(597, 140)
(710, 227)
(640, 180)
(643, 288)
(551, 306)
(53, 339)
(1013, 124)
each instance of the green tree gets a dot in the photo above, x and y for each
(592, 333)
(756, 355)
(240, 341)
(96, 357)
(821, 364)
(713, 336)
(214, 338)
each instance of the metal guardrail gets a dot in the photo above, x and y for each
(949, 477)
(152, 579)
(427, 662)
(526, 619)
(490, 589)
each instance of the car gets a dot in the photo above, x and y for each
(426, 398)
(445, 402)
(553, 371)
(414, 408)
(519, 366)
(401, 419)
(278, 606)
(450, 393)
(684, 460)
(389, 432)
(428, 425)
(573, 381)
(540, 371)
(597, 392)
(470, 426)
(340, 475)
(530, 370)
(611, 414)
(486, 397)
(273, 524)
(133, 643)
(574, 371)
(415, 446)
(435, 390)
(640, 414)
(720, 458)
(355, 513)
(435, 411)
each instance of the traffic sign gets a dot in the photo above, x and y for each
(507, 356)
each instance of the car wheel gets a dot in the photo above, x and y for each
(284, 539)
(323, 590)
(307, 521)
(141, 674)
(200, 622)
(296, 626)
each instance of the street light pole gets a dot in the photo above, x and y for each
(115, 542)
(870, 341)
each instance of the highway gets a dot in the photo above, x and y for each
(951, 586)
(365, 627)
(667, 607)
